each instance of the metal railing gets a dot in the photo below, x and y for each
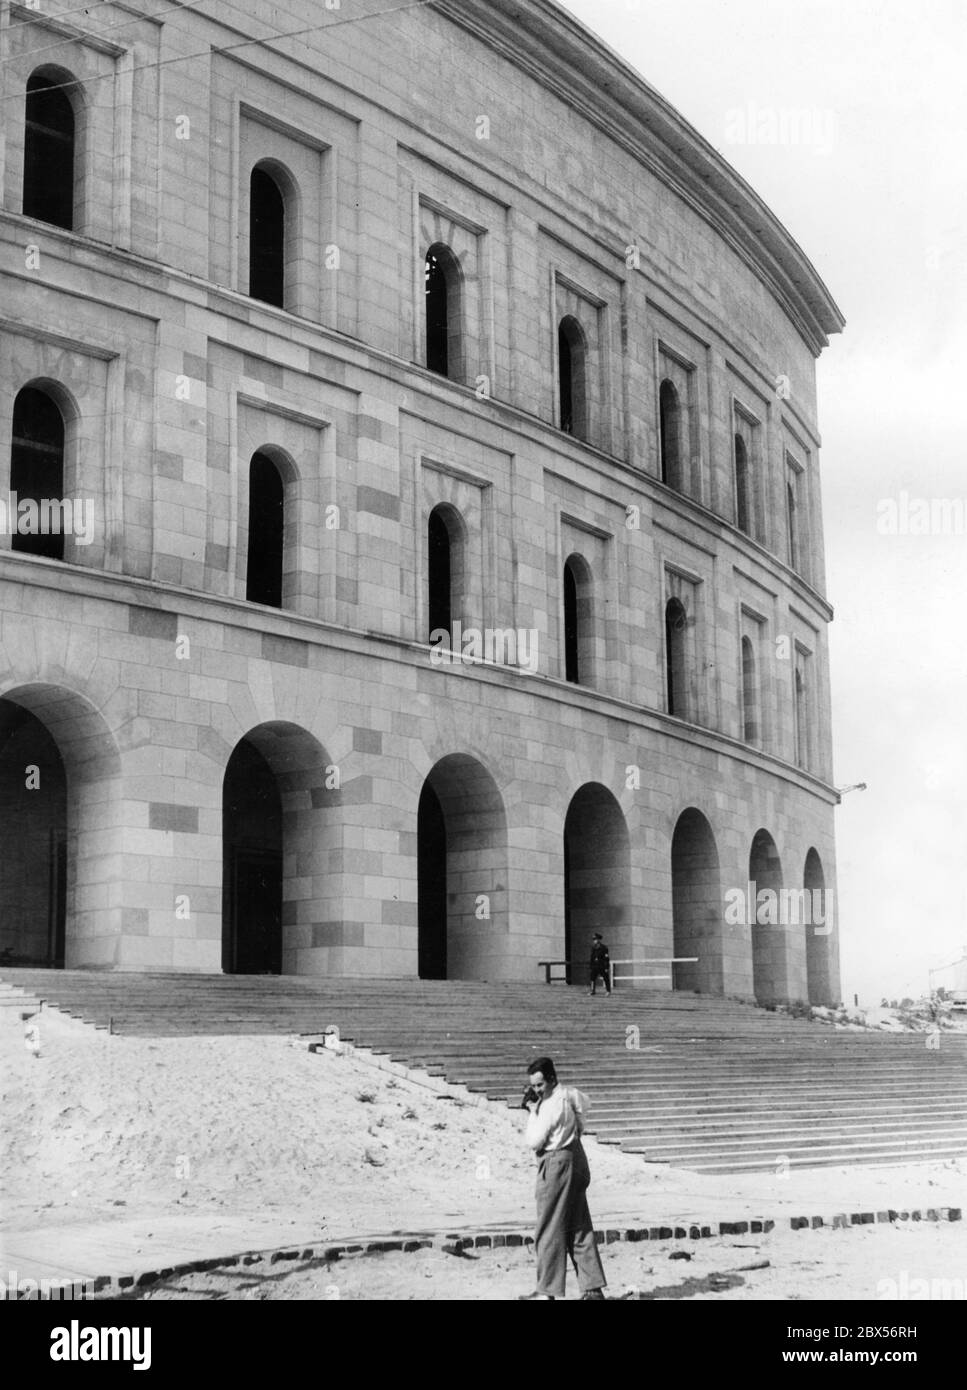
(651, 960)
(548, 965)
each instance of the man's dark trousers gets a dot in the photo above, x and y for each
(564, 1222)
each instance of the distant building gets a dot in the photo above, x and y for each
(335, 342)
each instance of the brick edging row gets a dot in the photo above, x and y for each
(455, 1242)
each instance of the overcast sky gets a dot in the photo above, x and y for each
(877, 201)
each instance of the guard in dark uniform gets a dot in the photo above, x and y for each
(600, 965)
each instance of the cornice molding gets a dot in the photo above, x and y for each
(563, 55)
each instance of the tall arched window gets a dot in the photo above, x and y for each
(743, 492)
(37, 467)
(669, 419)
(571, 664)
(267, 234)
(578, 621)
(801, 717)
(676, 622)
(49, 150)
(572, 373)
(440, 573)
(266, 532)
(792, 522)
(750, 694)
(443, 313)
(446, 537)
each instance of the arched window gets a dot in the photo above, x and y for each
(792, 522)
(49, 150)
(266, 532)
(37, 470)
(571, 665)
(676, 622)
(446, 558)
(572, 372)
(743, 493)
(750, 694)
(443, 313)
(802, 726)
(267, 235)
(440, 573)
(578, 621)
(669, 419)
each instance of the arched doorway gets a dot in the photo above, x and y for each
(819, 928)
(697, 909)
(461, 873)
(252, 847)
(33, 866)
(59, 771)
(597, 866)
(769, 975)
(275, 844)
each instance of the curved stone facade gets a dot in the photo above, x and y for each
(604, 487)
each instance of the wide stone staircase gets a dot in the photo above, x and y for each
(683, 1079)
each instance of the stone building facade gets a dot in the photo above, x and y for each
(338, 330)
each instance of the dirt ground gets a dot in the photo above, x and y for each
(895, 1264)
(106, 1129)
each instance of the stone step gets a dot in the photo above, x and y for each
(715, 1085)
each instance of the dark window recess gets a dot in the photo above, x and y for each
(437, 315)
(567, 381)
(743, 499)
(49, 139)
(749, 728)
(266, 531)
(571, 670)
(668, 413)
(439, 566)
(266, 271)
(572, 368)
(37, 464)
(675, 623)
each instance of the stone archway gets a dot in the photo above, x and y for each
(697, 911)
(462, 872)
(59, 778)
(276, 851)
(597, 867)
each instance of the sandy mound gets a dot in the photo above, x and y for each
(96, 1123)
(100, 1127)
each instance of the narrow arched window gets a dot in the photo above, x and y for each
(750, 722)
(440, 573)
(802, 727)
(444, 313)
(669, 420)
(37, 473)
(49, 151)
(743, 494)
(572, 377)
(579, 626)
(571, 661)
(267, 233)
(437, 314)
(676, 621)
(266, 532)
(792, 522)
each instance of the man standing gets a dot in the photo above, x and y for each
(554, 1128)
(600, 965)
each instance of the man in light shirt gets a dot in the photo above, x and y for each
(555, 1124)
